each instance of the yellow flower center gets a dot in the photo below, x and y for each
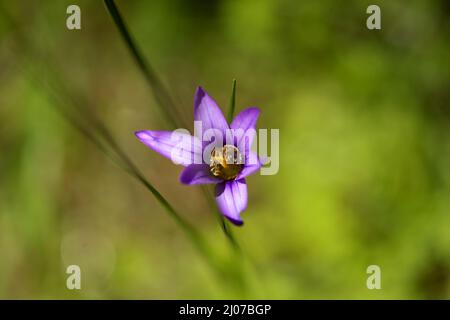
(226, 162)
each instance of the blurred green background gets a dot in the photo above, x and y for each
(364, 119)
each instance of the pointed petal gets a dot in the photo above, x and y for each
(231, 197)
(246, 121)
(198, 174)
(251, 159)
(249, 170)
(207, 111)
(252, 164)
(181, 148)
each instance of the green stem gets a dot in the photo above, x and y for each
(162, 96)
(232, 102)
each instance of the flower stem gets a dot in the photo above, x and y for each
(162, 96)
(232, 102)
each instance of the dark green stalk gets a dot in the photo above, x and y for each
(232, 102)
(162, 96)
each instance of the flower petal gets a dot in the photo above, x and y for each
(246, 121)
(181, 148)
(231, 197)
(249, 170)
(207, 111)
(252, 164)
(198, 174)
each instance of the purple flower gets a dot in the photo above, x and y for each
(225, 160)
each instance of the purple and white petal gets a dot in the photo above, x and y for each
(207, 111)
(180, 147)
(248, 170)
(198, 174)
(251, 159)
(252, 164)
(231, 198)
(245, 125)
